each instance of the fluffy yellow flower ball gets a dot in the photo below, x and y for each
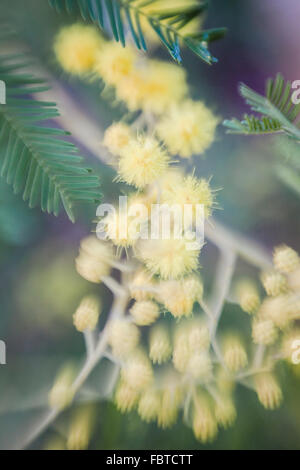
(153, 87)
(165, 84)
(188, 129)
(171, 259)
(190, 191)
(76, 48)
(115, 63)
(142, 161)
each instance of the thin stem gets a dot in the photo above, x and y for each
(89, 340)
(117, 309)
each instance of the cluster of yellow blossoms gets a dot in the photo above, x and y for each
(164, 341)
(274, 323)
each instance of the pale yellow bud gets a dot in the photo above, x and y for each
(160, 348)
(61, 394)
(145, 312)
(94, 260)
(286, 260)
(81, 429)
(123, 337)
(126, 397)
(176, 300)
(169, 406)
(199, 337)
(142, 286)
(149, 405)
(137, 371)
(87, 314)
(274, 283)
(235, 356)
(248, 296)
(225, 411)
(276, 309)
(204, 423)
(264, 331)
(268, 390)
(181, 351)
(200, 366)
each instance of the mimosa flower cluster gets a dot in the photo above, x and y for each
(163, 338)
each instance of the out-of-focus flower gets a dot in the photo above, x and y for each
(204, 423)
(117, 137)
(76, 48)
(188, 128)
(268, 390)
(145, 312)
(142, 161)
(234, 353)
(94, 260)
(160, 348)
(123, 337)
(87, 314)
(114, 63)
(286, 260)
(247, 296)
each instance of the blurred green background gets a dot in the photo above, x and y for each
(39, 285)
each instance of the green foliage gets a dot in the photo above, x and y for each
(123, 15)
(278, 115)
(34, 157)
(278, 112)
(253, 126)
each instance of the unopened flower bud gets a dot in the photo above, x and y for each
(286, 260)
(123, 337)
(149, 405)
(160, 348)
(264, 331)
(87, 314)
(204, 424)
(235, 356)
(268, 390)
(248, 296)
(145, 312)
(94, 260)
(126, 397)
(169, 406)
(274, 283)
(225, 411)
(137, 371)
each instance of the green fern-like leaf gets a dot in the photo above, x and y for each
(123, 15)
(34, 157)
(277, 106)
(252, 125)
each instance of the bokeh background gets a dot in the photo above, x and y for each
(39, 287)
